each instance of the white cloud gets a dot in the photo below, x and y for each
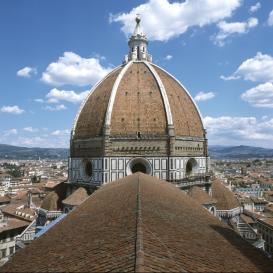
(258, 68)
(37, 138)
(270, 18)
(163, 20)
(239, 130)
(39, 100)
(55, 95)
(255, 7)
(30, 129)
(74, 70)
(41, 141)
(230, 29)
(27, 72)
(202, 96)
(56, 108)
(61, 132)
(10, 132)
(228, 78)
(260, 96)
(168, 57)
(12, 110)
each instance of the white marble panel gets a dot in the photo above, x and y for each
(121, 164)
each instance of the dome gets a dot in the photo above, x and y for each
(50, 202)
(226, 200)
(76, 198)
(138, 97)
(139, 118)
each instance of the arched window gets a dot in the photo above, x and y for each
(191, 166)
(139, 164)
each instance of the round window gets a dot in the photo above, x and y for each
(138, 164)
(191, 166)
(88, 168)
(139, 167)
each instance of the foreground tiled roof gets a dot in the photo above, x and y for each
(201, 196)
(76, 198)
(140, 224)
(226, 199)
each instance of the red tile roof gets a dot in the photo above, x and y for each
(139, 223)
(226, 199)
(201, 196)
(5, 199)
(51, 201)
(76, 198)
(13, 224)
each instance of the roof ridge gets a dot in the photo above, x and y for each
(139, 251)
(109, 110)
(163, 93)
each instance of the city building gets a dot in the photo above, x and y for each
(9, 229)
(265, 228)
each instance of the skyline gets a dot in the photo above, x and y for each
(52, 54)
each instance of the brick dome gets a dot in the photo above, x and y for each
(138, 97)
(139, 118)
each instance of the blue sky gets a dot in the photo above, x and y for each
(52, 52)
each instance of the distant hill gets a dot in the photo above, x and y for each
(14, 152)
(239, 152)
(215, 151)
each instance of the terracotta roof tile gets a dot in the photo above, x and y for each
(4, 199)
(247, 219)
(139, 224)
(226, 199)
(138, 104)
(13, 224)
(91, 118)
(76, 198)
(187, 121)
(201, 196)
(50, 202)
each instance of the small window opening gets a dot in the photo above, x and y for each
(88, 168)
(138, 53)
